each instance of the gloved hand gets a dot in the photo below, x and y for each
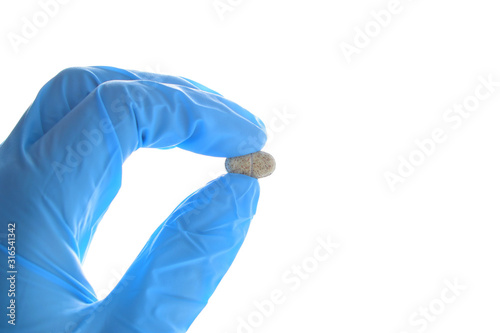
(60, 169)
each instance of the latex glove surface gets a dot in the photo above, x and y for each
(60, 169)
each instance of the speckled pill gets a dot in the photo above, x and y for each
(256, 165)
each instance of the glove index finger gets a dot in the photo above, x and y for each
(158, 115)
(227, 129)
(200, 86)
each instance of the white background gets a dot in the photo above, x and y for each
(346, 125)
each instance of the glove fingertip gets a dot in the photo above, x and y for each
(244, 189)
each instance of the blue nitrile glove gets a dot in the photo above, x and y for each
(61, 168)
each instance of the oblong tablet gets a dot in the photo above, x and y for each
(257, 165)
